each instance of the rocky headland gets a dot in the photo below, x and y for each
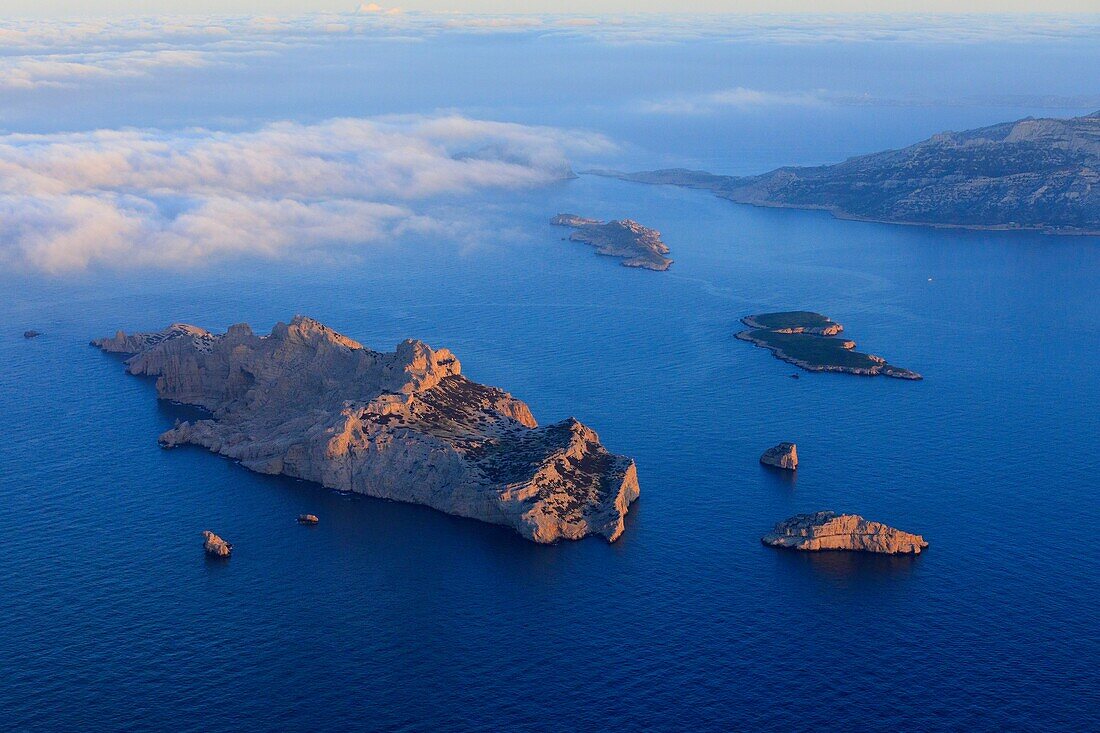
(634, 244)
(1041, 174)
(805, 338)
(831, 531)
(307, 402)
(784, 455)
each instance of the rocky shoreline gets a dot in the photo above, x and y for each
(809, 322)
(307, 402)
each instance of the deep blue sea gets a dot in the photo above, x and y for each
(396, 617)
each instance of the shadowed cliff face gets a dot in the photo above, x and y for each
(1029, 174)
(310, 403)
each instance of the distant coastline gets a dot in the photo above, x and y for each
(1038, 175)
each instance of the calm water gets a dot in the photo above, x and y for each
(396, 617)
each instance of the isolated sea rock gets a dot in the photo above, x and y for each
(308, 519)
(831, 531)
(636, 245)
(784, 455)
(306, 402)
(31, 334)
(215, 545)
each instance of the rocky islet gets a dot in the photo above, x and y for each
(784, 455)
(307, 402)
(806, 339)
(634, 244)
(827, 530)
(215, 545)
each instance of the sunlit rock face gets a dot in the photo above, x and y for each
(307, 402)
(215, 545)
(831, 531)
(784, 455)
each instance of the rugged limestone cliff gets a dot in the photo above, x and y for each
(638, 246)
(832, 531)
(307, 402)
(1029, 174)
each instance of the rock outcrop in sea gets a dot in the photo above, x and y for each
(307, 402)
(831, 531)
(784, 455)
(636, 245)
(215, 545)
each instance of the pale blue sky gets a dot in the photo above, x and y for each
(45, 8)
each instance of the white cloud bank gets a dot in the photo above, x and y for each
(125, 198)
(39, 53)
(375, 20)
(65, 70)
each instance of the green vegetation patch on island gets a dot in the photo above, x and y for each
(794, 322)
(806, 339)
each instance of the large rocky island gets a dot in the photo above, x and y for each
(306, 402)
(1041, 174)
(636, 245)
(831, 531)
(805, 339)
